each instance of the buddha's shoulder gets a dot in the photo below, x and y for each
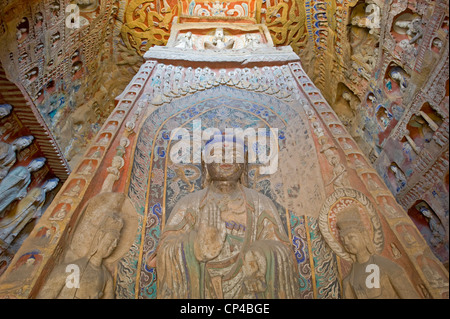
(193, 198)
(251, 193)
(386, 264)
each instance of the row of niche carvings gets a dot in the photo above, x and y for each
(24, 191)
(67, 72)
(116, 223)
(390, 60)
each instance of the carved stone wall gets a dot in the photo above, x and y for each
(22, 121)
(371, 91)
(65, 58)
(321, 172)
(389, 65)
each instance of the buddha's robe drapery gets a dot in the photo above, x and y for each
(181, 275)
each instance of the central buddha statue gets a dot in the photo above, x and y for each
(225, 241)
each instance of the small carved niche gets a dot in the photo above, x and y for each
(329, 117)
(125, 104)
(38, 47)
(407, 26)
(444, 26)
(23, 29)
(433, 118)
(308, 86)
(87, 167)
(372, 182)
(50, 87)
(130, 95)
(136, 87)
(96, 152)
(320, 105)
(76, 68)
(384, 117)
(432, 271)
(446, 182)
(358, 161)
(118, 115)
(74, 188)
(388, 206)
(39, 96)
(314, 95)
(371, 100)
(419, 130)
(408, 234)
(346, 144)
(32, 74)
(60, 211)
(104, 138)
(38, 19)
(431, 227)
(337, 129)
(111, 126)
(76, 55)
(345, 106)
(436, 45)
(395, 80)
(55, 38)
(364, 21)
(421, 213)
(396, 177)
(55, 7)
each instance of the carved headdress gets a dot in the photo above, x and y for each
(349, 219)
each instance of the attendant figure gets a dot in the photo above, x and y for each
(28, 208)
(184, 41)
(218, 42)
(5, 110)
(8, 153)
(392, 282)
(95, 280)
(437, 230)
(14, 185)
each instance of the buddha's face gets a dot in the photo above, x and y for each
(24, 142)
(219, 34)
(226, 169)
(353, 242)
(107, 245)
(225, 172)
(36, 165)
(3, 112)
(51, 185)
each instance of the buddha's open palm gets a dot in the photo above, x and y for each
(211, 233)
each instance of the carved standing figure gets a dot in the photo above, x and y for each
(8, 153)
(5, 110)
(94, 280)
(436, 227)
(399, 78)
(391, 282)
(339, 179)
(399, 177)
(28, 208)
(225, 241)
(14, 185)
